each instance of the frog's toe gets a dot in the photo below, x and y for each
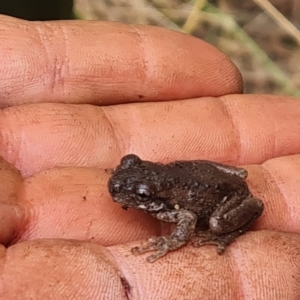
(154, 243)
(151, 245)
(158, 244)
(141, 249)
(211, 240)
(158, 254)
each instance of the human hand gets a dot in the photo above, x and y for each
(56, 128)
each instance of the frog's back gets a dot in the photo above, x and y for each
(205, 177)
(202, 170)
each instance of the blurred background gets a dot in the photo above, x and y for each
(261, 36)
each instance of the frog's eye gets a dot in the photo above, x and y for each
(129, 161)
(143, 192)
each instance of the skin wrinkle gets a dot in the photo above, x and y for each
(64, 67)
(238, 258)
(288, 224)
(46, 54)
(119, 140)
(225, 107)
(145, 65)
(59, 62)
(268, 132)
(237, 271)
(273, 139)
(271, 180)
(242, 262)
(136, 118)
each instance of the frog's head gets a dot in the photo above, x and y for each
(132, 184)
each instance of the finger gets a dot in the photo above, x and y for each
(62, 269)
(105, 63)
(58, 269)
(248, 268)
(74, 203)
(234, 129)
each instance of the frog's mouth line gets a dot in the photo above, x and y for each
(151, 207)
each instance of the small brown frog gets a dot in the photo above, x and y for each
(210, 202)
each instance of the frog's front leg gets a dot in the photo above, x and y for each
(186, 223)
(231, 219)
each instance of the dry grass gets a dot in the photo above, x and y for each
(260, 36)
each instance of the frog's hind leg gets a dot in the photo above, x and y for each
(221, 241)
(228, 222)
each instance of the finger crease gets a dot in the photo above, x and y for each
(231, 118)
(118, 138)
